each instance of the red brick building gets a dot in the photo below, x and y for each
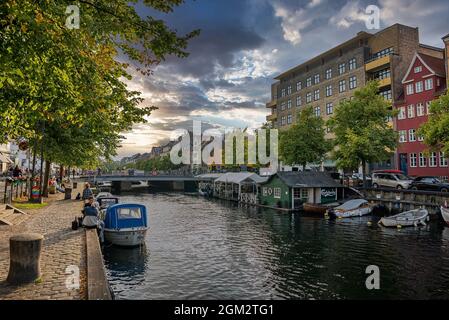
(424, 81)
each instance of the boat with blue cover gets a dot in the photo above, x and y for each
(126, 224)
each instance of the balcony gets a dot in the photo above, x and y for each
(384, 82)
(271, 104)
(377, 63)
(272, 117)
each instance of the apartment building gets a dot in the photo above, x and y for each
(325, 80)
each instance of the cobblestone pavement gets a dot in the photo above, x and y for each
(62, 248)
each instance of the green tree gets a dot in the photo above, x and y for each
(362, 130)
(304, 142)
(436, 130)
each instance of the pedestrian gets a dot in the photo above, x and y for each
(87, 192)
(16, 172)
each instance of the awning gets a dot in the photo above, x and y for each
(4, 158)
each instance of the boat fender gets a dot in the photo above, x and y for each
(399, 226)
(369, 223)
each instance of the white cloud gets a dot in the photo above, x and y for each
(293, 22)
(349, 14)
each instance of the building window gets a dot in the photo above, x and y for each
(420, 109)
(411, 111)
(289, 90)
(412, 135)
(409, 89)
(418, 69)
(382, 74)
(386, 94)
(289, 119)
(428, 84)
(422, 160)
(420, 138)
(328, 90)
(353, 82)
(402, 136)
(428, 103)
(305, 194)
(309, 82)
(298, 85)
(283, 121)
(277, 193)
(443, 160)
(298, 101)
(433, 159)
(401, 114)
(316, 95)
(418, 87)
(317, 111)
(352, 64)
(283, 93)
(413, 160)
(328, 74)
(309, 97)
(342, 86)
(341, 68)
(317, 78)
(289, 104)
(282, 106)
(329, 108)
(264, 191)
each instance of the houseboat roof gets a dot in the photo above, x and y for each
(239, 177)
(209, 176)
(310, 179)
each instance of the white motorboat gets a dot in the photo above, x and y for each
(406, 219)
(352, 208)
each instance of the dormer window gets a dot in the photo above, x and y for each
(418, 69)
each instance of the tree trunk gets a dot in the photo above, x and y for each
(46, 178)
(363, 173)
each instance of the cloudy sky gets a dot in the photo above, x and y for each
(244, 44)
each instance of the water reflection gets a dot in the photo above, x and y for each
(211, 249)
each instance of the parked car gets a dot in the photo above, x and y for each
(430, 184)
(395, 180)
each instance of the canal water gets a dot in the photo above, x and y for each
(199, 248)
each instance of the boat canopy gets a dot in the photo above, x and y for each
(351, 204)
(122, 216)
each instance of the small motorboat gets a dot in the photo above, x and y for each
(315, 208)
(106, 202)
(351, 208)
(406, 219)
(126, 224)
(104, 195)
(445, 214)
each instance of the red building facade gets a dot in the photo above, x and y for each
(424, 81)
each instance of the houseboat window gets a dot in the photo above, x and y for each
(129, 213)
(277, 193)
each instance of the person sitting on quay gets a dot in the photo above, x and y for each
(91, 218)
(87, 192)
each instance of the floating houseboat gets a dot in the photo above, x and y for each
(291, 190)
(239, 186)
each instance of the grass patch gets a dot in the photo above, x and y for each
(29, 205)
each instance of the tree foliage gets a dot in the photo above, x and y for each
(304, 142)
(70, 81)
(436, 130)
(362, 130)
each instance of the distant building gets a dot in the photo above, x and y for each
(5, 160)
(424, 82)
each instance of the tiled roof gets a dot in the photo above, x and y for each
(436, 64)
(309, 179)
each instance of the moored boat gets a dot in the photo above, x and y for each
(315, 208)
(445, 214)
(406, 219)
(352, 208)
(126, 224)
